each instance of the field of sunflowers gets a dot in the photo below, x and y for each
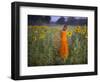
(44, 42)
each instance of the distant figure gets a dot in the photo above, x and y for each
(64, 51)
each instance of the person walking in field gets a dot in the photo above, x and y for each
(64, 50)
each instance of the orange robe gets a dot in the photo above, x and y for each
(64, 46)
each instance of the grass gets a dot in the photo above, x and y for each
(44, 43)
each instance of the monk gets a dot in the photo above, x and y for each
(64, 51)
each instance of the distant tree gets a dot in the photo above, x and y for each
(38, 20)
(82, 21)
(47, 19)
(74, 21)
(61, 20)
(71, 21)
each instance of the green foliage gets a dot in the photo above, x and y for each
(44, 43)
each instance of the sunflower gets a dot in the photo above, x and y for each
(42, 37)
(78, 29)
(83, 31)
(69, 33)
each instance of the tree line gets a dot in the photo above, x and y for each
(43, 20)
